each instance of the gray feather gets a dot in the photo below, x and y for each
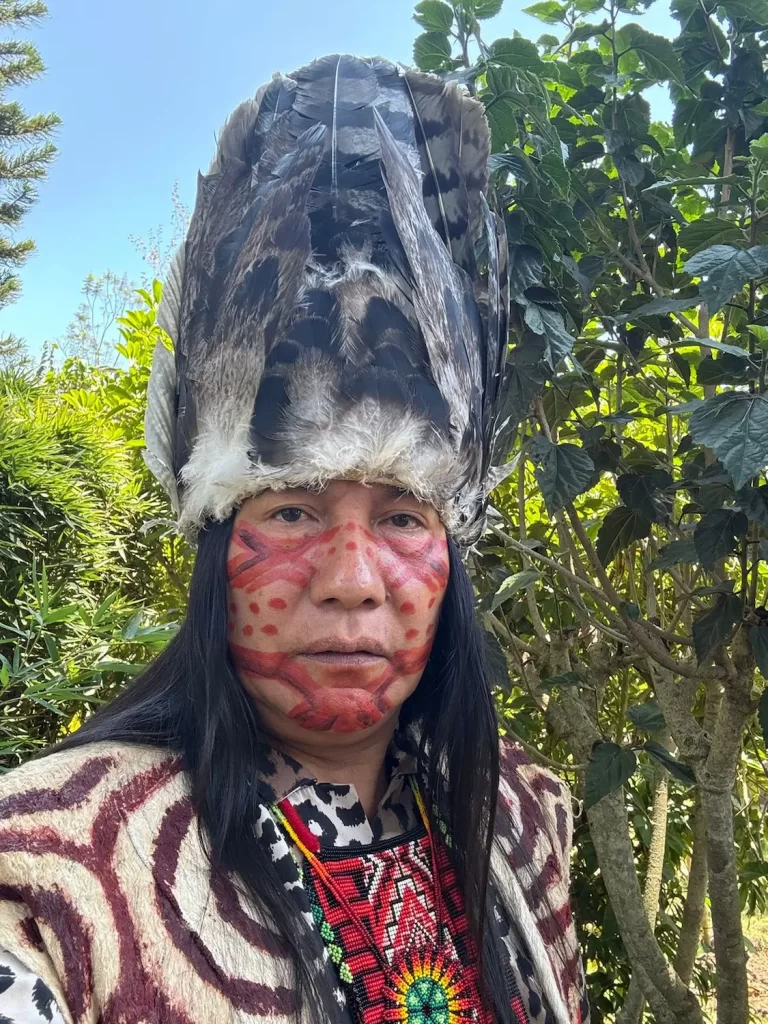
(159, 422)
(442, 292)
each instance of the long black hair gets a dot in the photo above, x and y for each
(190, 700)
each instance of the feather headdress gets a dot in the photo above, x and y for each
(328, 312)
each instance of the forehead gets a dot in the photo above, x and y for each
(347, 491)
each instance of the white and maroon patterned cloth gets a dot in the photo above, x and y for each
(108, 911)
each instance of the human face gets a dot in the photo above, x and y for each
(334, 598)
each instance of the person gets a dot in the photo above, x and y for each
(301, 809)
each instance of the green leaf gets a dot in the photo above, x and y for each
(717, 535)
(549, 11)
(701, 179)
(725, 270)
(758, 638)
(434, 15)
(610, 766)
(552, 167)
(63, 613)
(656, 52)
(647, 717)
(754, 502)
(431, 51)
(720, 346)
(708, 230)
(562, 471)
(513, 585)
(755, 11)
(550, 323)
(735, 426)
(676, 768)
(674, 553)
(682, 366)
(762, 715)
(564, 679)
(643, 494)
(516, 53)
(658, 307)
(713, 627)
(486, 8)
(620, 527)
(587, 30)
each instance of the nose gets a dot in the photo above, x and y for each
(347, 574)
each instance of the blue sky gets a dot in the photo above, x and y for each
(142, 87)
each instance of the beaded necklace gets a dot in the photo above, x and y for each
(426, 983)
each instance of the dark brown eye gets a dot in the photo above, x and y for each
(288, 515)
(402, 520)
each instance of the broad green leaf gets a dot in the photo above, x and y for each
(431, 50)
(760, 334)
(610, 766)
(755, 11)
(647, 717)
(708, 230)
(682, 366)
(620, 527)
(552, 167)
(434, 15)
(735, 426)
(720, 346)
(550, 324)
(562, 471)
(486, 8)
(656, 52)
(587, 30)
(645, 494)
(513, 585)
(701, 179)
(549, 11)
(725, 270)
(564, 679)
(717, 535)
(762, 715)
(658, 307)
(754, 502)
(713, 627)
(758, 638)
(682, 772)
(674, 553)
(517, 53)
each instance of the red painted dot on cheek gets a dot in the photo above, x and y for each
(431, 602)
(277, 602)
(269, 630)
(407, 608)
(350, 545)
(369, 552)
(233, 607)
(331, 551)
(248, 630)
(411, 634)
(254, 607)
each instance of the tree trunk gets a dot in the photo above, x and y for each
(632, 1010)
(693, 911)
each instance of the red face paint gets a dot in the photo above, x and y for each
(384, 583)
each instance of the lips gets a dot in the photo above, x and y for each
(334, 647)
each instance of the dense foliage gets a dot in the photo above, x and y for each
(25, 146)
(624, 574)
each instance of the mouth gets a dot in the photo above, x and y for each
(349, 653)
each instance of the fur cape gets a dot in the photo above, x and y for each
(106, 893)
